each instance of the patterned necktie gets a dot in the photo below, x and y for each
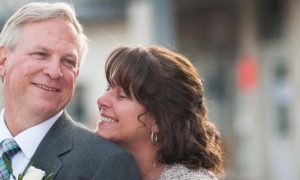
(10, 148)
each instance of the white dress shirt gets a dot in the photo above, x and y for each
(28, 141)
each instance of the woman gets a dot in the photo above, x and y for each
(154, 107)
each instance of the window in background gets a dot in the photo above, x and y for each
(282, 97)
(271, 15)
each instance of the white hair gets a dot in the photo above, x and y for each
(37, 11)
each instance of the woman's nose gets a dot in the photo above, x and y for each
(104, 100)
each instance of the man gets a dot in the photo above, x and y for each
(41, 48)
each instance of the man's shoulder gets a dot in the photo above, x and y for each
(88, 140)
(83, 154)
(109, 160)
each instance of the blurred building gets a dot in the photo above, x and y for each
(246, 52)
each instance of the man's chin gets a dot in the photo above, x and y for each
(47, 111)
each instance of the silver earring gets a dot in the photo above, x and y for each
(154, 138)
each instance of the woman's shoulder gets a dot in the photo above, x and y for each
(180, 172)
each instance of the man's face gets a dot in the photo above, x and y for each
(40, 72)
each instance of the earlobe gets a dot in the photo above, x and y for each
(154, 127)
(2, 60)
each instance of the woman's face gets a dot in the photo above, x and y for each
(119, 118)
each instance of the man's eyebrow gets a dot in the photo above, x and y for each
(41, 48)
(72, 54)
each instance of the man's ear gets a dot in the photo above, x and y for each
(2, 60)
(77, 73)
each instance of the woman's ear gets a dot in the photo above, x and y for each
(150, 122)
(2, 60)
(154, 126)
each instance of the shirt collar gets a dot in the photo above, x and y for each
(29, 139)
(4, 132)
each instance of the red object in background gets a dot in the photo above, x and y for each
(246, 73)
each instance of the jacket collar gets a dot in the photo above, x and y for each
(57, 142)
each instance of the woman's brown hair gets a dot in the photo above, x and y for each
(169, 87)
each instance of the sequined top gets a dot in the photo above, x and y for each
(180, 172)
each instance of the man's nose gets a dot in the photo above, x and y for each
(53, 69)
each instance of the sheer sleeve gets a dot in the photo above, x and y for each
(180, 172)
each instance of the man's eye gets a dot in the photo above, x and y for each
(70, 63)
(39, 55)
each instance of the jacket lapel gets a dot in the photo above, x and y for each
(57, 142)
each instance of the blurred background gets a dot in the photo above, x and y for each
(247, 52)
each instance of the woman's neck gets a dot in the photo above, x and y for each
(145, 158)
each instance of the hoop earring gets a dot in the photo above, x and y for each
(154, 138)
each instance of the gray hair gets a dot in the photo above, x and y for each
(38, 11)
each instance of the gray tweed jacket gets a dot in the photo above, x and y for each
(71, 152)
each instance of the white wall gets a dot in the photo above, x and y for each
(134, 29)
(104, 37)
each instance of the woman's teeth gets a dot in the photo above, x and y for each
(107, 119)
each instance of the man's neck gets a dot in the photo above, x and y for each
(17, 120)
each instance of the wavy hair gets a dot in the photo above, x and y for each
(169, 87)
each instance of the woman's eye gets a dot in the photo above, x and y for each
(122, 95)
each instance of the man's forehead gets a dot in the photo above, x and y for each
(42, 32)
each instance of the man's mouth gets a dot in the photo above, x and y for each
(47, 88)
